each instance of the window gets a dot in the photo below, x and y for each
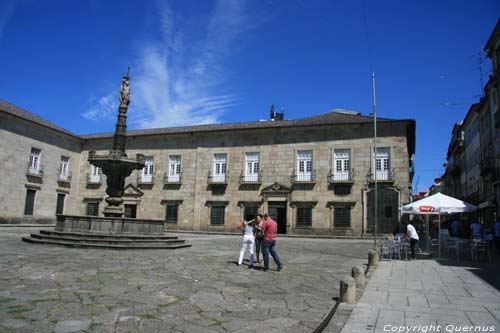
(147, 172)
(30, 202)
(304, 217)
(220, 165)
(174, 168)
(250, 212)
(63, 168)
(217, 215)
(95, 174)
(304, 165)
(342, 216)
(172, 213)
(93, 208)
(342, 165)
(383, 163)
(34, 163)
(252, 165)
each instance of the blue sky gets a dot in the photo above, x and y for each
(196, 62)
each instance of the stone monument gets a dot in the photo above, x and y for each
(116, 165)
(113, 230)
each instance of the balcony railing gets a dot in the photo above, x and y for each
(382, 175)
(255, 178)
(172, 179)
(217, 178)
(64, 177)
(338, 177)
(93, 179)
(145, 179)
(303, 177)
(36, 171)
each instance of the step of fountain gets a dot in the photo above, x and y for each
(106, 235)
(87, 240)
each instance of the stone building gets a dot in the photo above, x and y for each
(473, 159)
(315, 175)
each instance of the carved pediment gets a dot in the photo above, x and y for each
(132, 191)
(276, 189)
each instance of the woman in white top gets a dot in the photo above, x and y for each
(248, 240)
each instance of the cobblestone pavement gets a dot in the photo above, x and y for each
(197, 289)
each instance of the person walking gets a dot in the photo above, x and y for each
(247, 241)
(259, 236)
(270, 229)
(411, 234)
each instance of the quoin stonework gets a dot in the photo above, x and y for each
(314, 175)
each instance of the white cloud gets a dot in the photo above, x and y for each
(180, 79)
(104, 107)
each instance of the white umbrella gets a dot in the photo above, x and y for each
(438, 204)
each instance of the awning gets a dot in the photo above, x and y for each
(487, 204)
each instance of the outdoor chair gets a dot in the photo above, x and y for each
(434, 245)
(480, 250)
(464, 250)
(451, 247)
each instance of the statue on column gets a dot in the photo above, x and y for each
(125, 91)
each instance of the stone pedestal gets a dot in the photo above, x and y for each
(358, 274)
(114, 211)
(348, 290)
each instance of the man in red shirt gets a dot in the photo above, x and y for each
(270, 228)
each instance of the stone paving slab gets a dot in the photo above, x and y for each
(449, 298)
(197, 289)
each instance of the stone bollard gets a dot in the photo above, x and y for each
(358, 274)
(373, 258)
(347, 290)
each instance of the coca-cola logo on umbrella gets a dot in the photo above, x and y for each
(426, 209)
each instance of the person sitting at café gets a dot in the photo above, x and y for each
(476, 229)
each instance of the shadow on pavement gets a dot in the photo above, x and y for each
(487, 271)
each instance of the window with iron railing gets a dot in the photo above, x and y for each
(147, 171)
(342, 165)
(64, 168)
(95, 174)
(304, 166)
(217, 215)
(342, 217)
(92, 208)
(219, 168)
(304, 217)
(172, 213)
(174, 169)
(252, 167)
(383, 164)
(34, 162)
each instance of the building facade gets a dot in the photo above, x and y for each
(314, 175)
(473, 160)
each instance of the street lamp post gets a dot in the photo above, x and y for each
(374, 158)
